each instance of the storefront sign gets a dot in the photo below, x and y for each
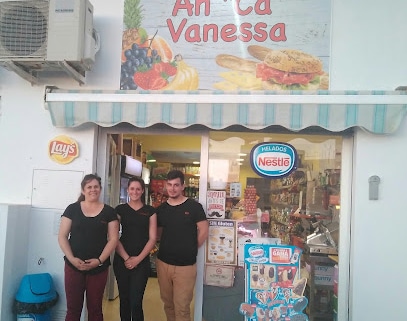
(273, 159)
(225, 45)
(221, 245)
(63, 149)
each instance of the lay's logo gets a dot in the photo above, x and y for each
(63, 149)
(273, 159)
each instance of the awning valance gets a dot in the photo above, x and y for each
(379, 112)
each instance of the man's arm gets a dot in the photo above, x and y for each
(203, 230)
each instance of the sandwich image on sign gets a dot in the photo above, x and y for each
(286, 69)
(290, 69)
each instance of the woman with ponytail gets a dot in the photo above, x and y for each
(88, 234)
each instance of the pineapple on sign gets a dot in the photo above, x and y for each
(134, 33)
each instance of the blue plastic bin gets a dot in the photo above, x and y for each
(35, 296)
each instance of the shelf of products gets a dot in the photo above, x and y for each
(157, 183)
(323, 193)
(282, 197)
(289, 191)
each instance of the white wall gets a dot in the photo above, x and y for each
(14, 230)
(368, 45)
(378, 275)
(368, 52)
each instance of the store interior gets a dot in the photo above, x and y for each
(301, 209)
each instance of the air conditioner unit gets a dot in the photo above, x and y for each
(53, 35)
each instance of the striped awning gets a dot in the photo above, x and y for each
(379, 112)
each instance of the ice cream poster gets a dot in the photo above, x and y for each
(183, 45)
(221, 243)
(274, 290)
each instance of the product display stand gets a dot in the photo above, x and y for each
(274, 289)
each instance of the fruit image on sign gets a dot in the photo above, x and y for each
(148, 62)
(63, 149)
(273, 159)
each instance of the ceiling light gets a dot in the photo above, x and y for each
(242, 154)
(240, 159)
(196, 163)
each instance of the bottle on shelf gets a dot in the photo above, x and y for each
(323, 301)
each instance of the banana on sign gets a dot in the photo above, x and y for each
(63, 149)
(185, 78)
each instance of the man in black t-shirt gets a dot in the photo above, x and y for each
(184, 229)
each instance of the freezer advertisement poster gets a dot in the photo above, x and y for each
(273, 290)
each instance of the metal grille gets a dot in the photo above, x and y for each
(23, 28)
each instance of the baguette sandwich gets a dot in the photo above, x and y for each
(290, 69)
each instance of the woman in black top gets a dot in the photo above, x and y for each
(132, 260)
(88, 234)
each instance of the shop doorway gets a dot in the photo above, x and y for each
(158, 153)
(316, 196)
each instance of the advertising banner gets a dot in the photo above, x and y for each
(221, 244)
(215, 204)
(274, 288)
(242, 241)
(222, 45)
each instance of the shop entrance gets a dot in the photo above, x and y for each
(157, 153)
(301, 209)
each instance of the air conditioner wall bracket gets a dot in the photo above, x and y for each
(11, 65)
(79, 77)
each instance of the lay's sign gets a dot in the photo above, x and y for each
(273, 159)
(63, 149)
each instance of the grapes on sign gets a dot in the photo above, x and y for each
(137, 60)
